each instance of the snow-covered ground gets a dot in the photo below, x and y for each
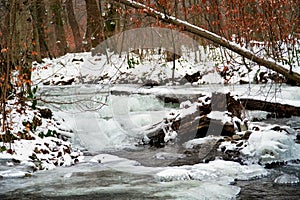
(79, 68)
(35, 141)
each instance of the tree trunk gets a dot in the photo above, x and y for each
(38, 13)
(6, 61)
(214, 38)
(74, 25)
(61, 41)
(278, 109)
(93, 26)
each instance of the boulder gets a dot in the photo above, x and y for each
(199, 124)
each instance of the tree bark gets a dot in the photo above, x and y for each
(93, 26)
(278, 109)
(38, 14)
(214, 38)
(61, 41)
(74, 25)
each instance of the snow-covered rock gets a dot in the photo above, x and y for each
(219, 170)
(287, 179)
(173, 174)
(271, 146)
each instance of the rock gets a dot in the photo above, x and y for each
(199, 153)
(204, 109)
(77, 60)
(169, 99)
(191, 78)
(236, 137)
(215, 127)
(207, 151)
(45, 113)
(156, 139)
(244, 82)
(46, 83)
(247, 135)
(198, 124)
(150, 84)
(298, 138)
(65, 82)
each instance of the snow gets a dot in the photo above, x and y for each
(185, 104)
(221, 171)
(174, 174)
(211, 78)
(25, 149)
(271, 146)
(287, 179)
(13, 174)
(225, 172)
(98, 69)
(218, 115)
(190, 110)
(257, 115)
(171, 135)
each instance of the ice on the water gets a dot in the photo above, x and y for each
(271, 146)
(287, 179)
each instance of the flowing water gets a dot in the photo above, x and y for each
(108, 123)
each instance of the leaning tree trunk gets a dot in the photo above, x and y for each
(214, 38)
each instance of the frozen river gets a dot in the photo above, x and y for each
(108, 123)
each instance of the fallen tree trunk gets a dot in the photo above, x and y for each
(278, 109)
(214, 38)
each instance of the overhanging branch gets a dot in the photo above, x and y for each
(214, 38)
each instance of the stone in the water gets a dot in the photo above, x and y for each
(287, 179)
